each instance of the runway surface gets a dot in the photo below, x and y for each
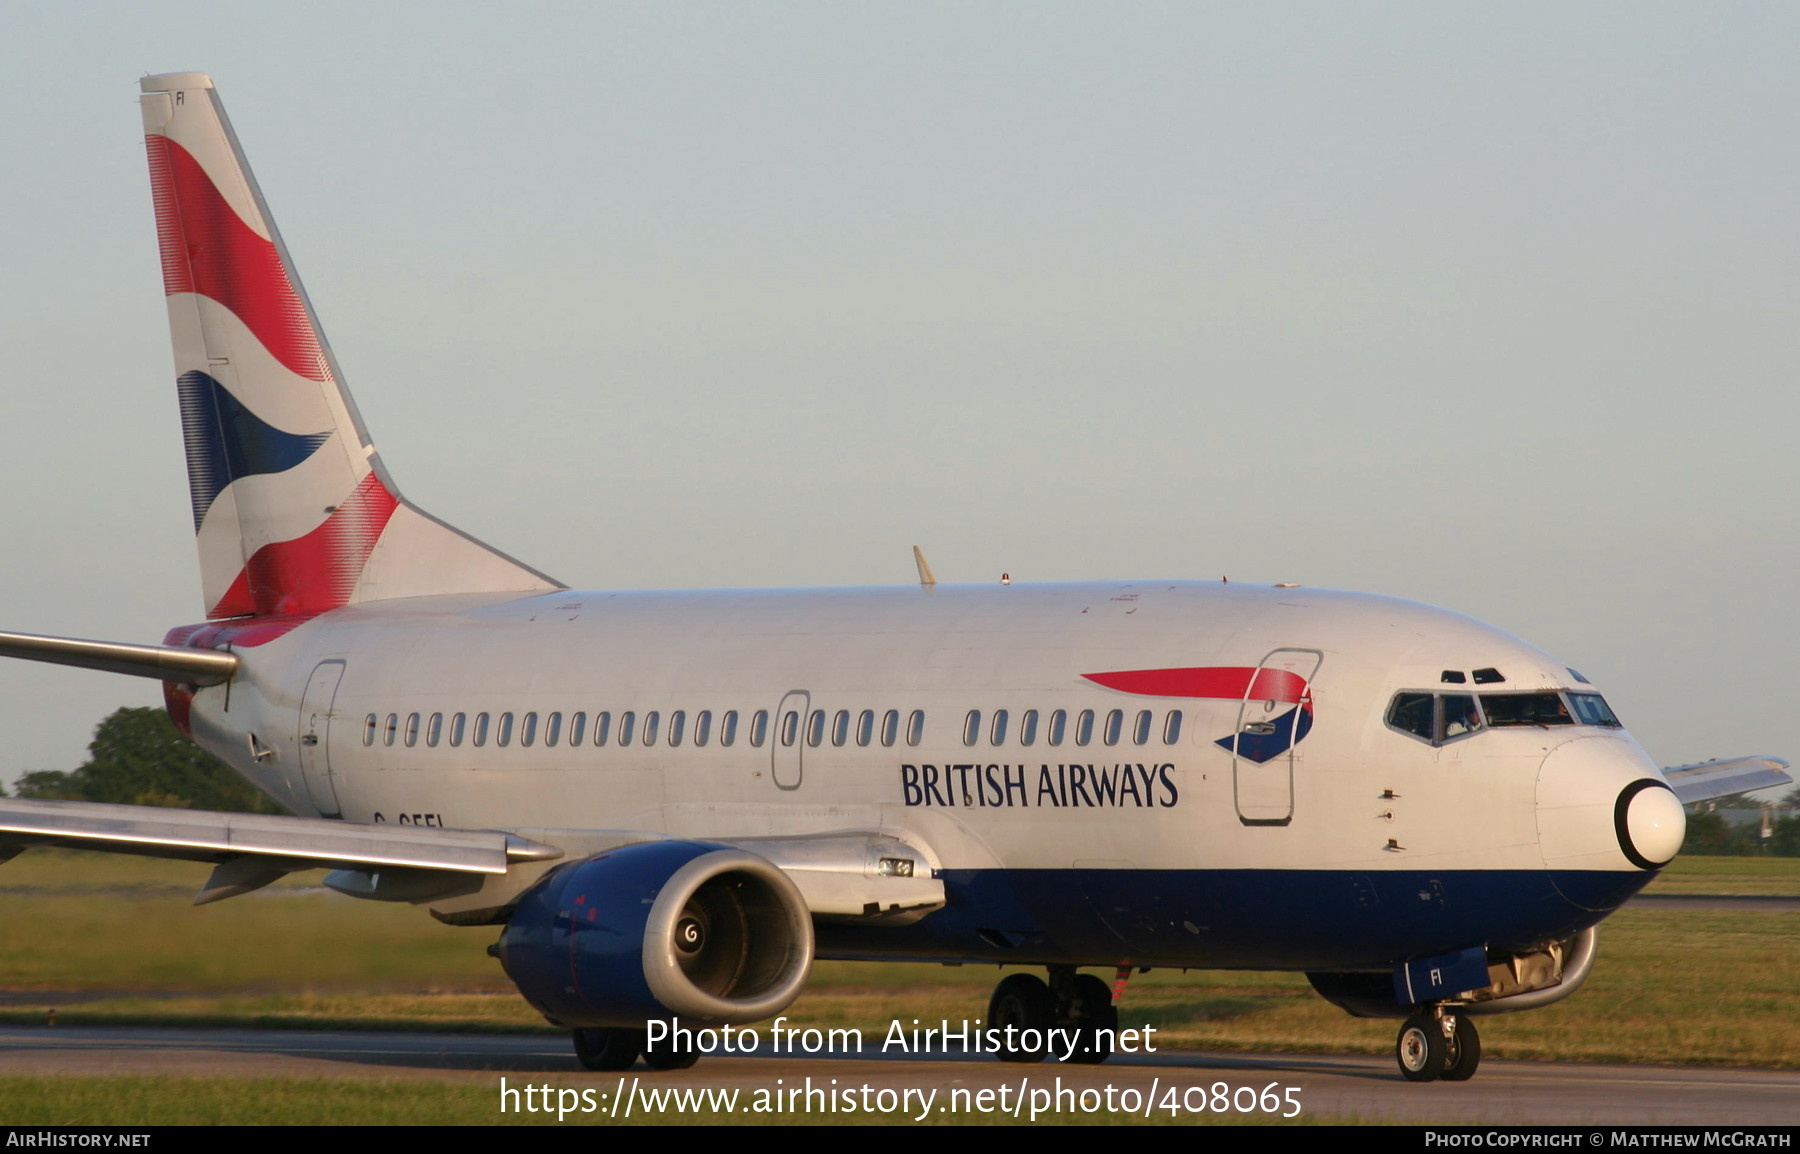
(1329, 1086)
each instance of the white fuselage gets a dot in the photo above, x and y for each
(1354, 796)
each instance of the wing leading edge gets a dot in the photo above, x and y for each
(251, 850)
(849, 875)
(1710, 779)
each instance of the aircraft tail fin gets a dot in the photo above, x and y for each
(293, 510)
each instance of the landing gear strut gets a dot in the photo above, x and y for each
(598, 1049)
(1075, 1002)
(1435, 1044)
(1092, 1012)
(616, 1049)
(1023, 1002)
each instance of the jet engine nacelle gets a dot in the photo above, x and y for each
(704, 932)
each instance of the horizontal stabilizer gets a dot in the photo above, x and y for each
(258, 848)
(164, 662)
(1735, 775)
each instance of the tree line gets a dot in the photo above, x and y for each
(138, 757)
(1709, 832)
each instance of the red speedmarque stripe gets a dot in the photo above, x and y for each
(208, 249)
(318, 571)
(1232, 682)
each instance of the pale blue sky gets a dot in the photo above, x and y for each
(1489, 306)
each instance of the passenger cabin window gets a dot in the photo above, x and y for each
(1140, 731)
(577, 728)
(553, 729)
(1059, 721)
(915, 727)
(759, 728)
(1028, 727)
(503, 729)
(677, 724)
(528, 726)
(703, 727)
(369, 727)
(652, 721)
(1172, 728)
(1084, 727)
(602, 727)
(840, 727)
(790, 727)
(392, 727)
(865, 727)
(890, 727)
(972, 727)
(457, 723)
(997, 736)
(728, 728)
(627, 723)
(1115, 721)
(434, 729)
(479, 738)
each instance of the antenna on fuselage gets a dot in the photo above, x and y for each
(925, 577)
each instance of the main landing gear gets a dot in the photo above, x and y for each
(615, 1049)
(1081, 1003)
(1436, 1043)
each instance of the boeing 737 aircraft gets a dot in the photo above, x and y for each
(672, 802)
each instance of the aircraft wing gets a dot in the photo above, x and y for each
(251, 850)
(1709, 779)
(844, 875)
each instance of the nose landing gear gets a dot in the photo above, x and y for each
(1435, 1044)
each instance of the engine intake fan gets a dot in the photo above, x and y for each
(707, 933)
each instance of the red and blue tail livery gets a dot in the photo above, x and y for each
(293, 512)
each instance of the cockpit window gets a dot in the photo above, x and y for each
(1414, 713)
(1504, 709)
(1435, 717)
(1443, 717)
(1591, 709)
(1460, 716)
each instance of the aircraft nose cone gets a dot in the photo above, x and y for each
(1602, 805)
(1650, 823)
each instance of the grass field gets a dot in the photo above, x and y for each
(108, 939)
(103, 939)
(1767, 876)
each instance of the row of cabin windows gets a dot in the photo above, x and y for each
(841, 728)
(1056, 727)
(552, 729)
